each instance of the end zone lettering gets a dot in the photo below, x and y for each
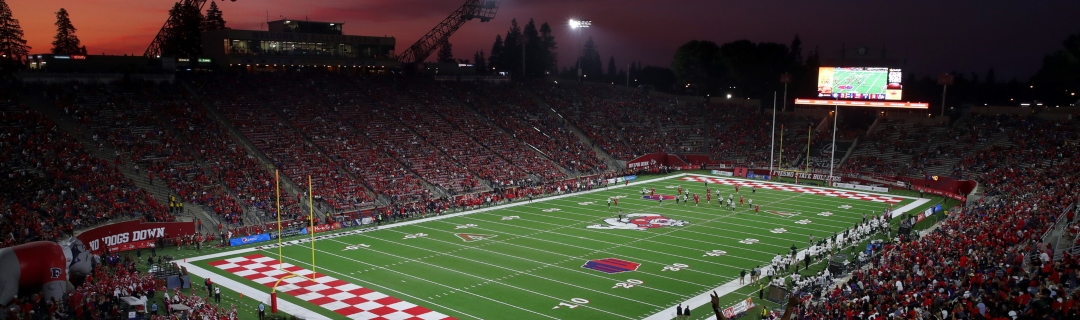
(815, 176)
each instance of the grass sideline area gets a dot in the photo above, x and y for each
(532, 266)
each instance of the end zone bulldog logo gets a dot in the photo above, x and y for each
(638, 221)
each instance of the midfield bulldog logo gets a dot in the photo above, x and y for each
(638, 221)
(658, 197)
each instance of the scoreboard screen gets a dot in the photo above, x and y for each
(859, 83)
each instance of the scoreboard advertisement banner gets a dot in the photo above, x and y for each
(863, 103)
(860, 83)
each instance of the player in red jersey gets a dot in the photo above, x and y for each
(680, 190)
(652, 192)
(695, 200)
(616, 201)
(708, 198)
(740, 199)
(736, 188)
(756, 209)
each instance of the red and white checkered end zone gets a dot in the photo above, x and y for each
(346, 299)
(817, 191)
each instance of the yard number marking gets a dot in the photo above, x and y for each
(574, 303)
(630, 283)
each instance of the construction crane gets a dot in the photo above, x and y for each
(154, 50)
(479, 9)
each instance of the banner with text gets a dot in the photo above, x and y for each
(811, 176)
(951, 195)
(121, 233)
(249, 239)
(132, 246)
(739, 308)
(323, 228)
(723, 173)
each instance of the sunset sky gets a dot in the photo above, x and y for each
(934, 36)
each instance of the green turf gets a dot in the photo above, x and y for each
(534, 262)
(869, 82)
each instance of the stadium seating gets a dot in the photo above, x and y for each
(54, 186)
(400, 142)
(270, 130)
(991, 254)
(628, 123)
(402, 146)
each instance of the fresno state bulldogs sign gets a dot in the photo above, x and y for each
(118, 234)
(638, 221)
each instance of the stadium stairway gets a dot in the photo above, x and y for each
(289, 188)
(108, 153)
(610, 160)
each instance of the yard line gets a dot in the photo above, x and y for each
(530, 248)
(496, 266)
(614, 243)
(735, 216)
(429, 281)
(608, 250)
(632, 237)
(592, 251)
(810, 210)
(605, 233)
(516, 257)
(502, 283)
(388, 289)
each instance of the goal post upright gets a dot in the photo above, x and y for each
(809, 133)
(311, 227)
(281, 258)
(780, 161)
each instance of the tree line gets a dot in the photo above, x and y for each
(183, 37)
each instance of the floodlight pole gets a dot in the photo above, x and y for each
(784, 108)
(943, 89)
(772, 137)
(832, 155)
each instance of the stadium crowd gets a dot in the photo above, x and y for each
(72, 188)
(533, 125)
(360, 139)
(987, 262)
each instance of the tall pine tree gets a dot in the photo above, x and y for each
(510, 60)
(183, 38)
(495, 58)
(479, 62)
(214, 20)
(548, 56)
(611, 69)
(66, 42)
(591, 63)
(534, 66)
(13, 48)
(445, 54)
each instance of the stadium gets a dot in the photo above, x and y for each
(302, 172)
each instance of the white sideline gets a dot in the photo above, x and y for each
(249, 292)
(305, 313)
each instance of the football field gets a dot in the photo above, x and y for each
(562, 257)
(868, 82)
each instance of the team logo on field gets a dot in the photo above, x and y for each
(638, 221)
(658, 197)
(611, 265)
(782, 213)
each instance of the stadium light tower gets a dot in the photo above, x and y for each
(577, 25)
